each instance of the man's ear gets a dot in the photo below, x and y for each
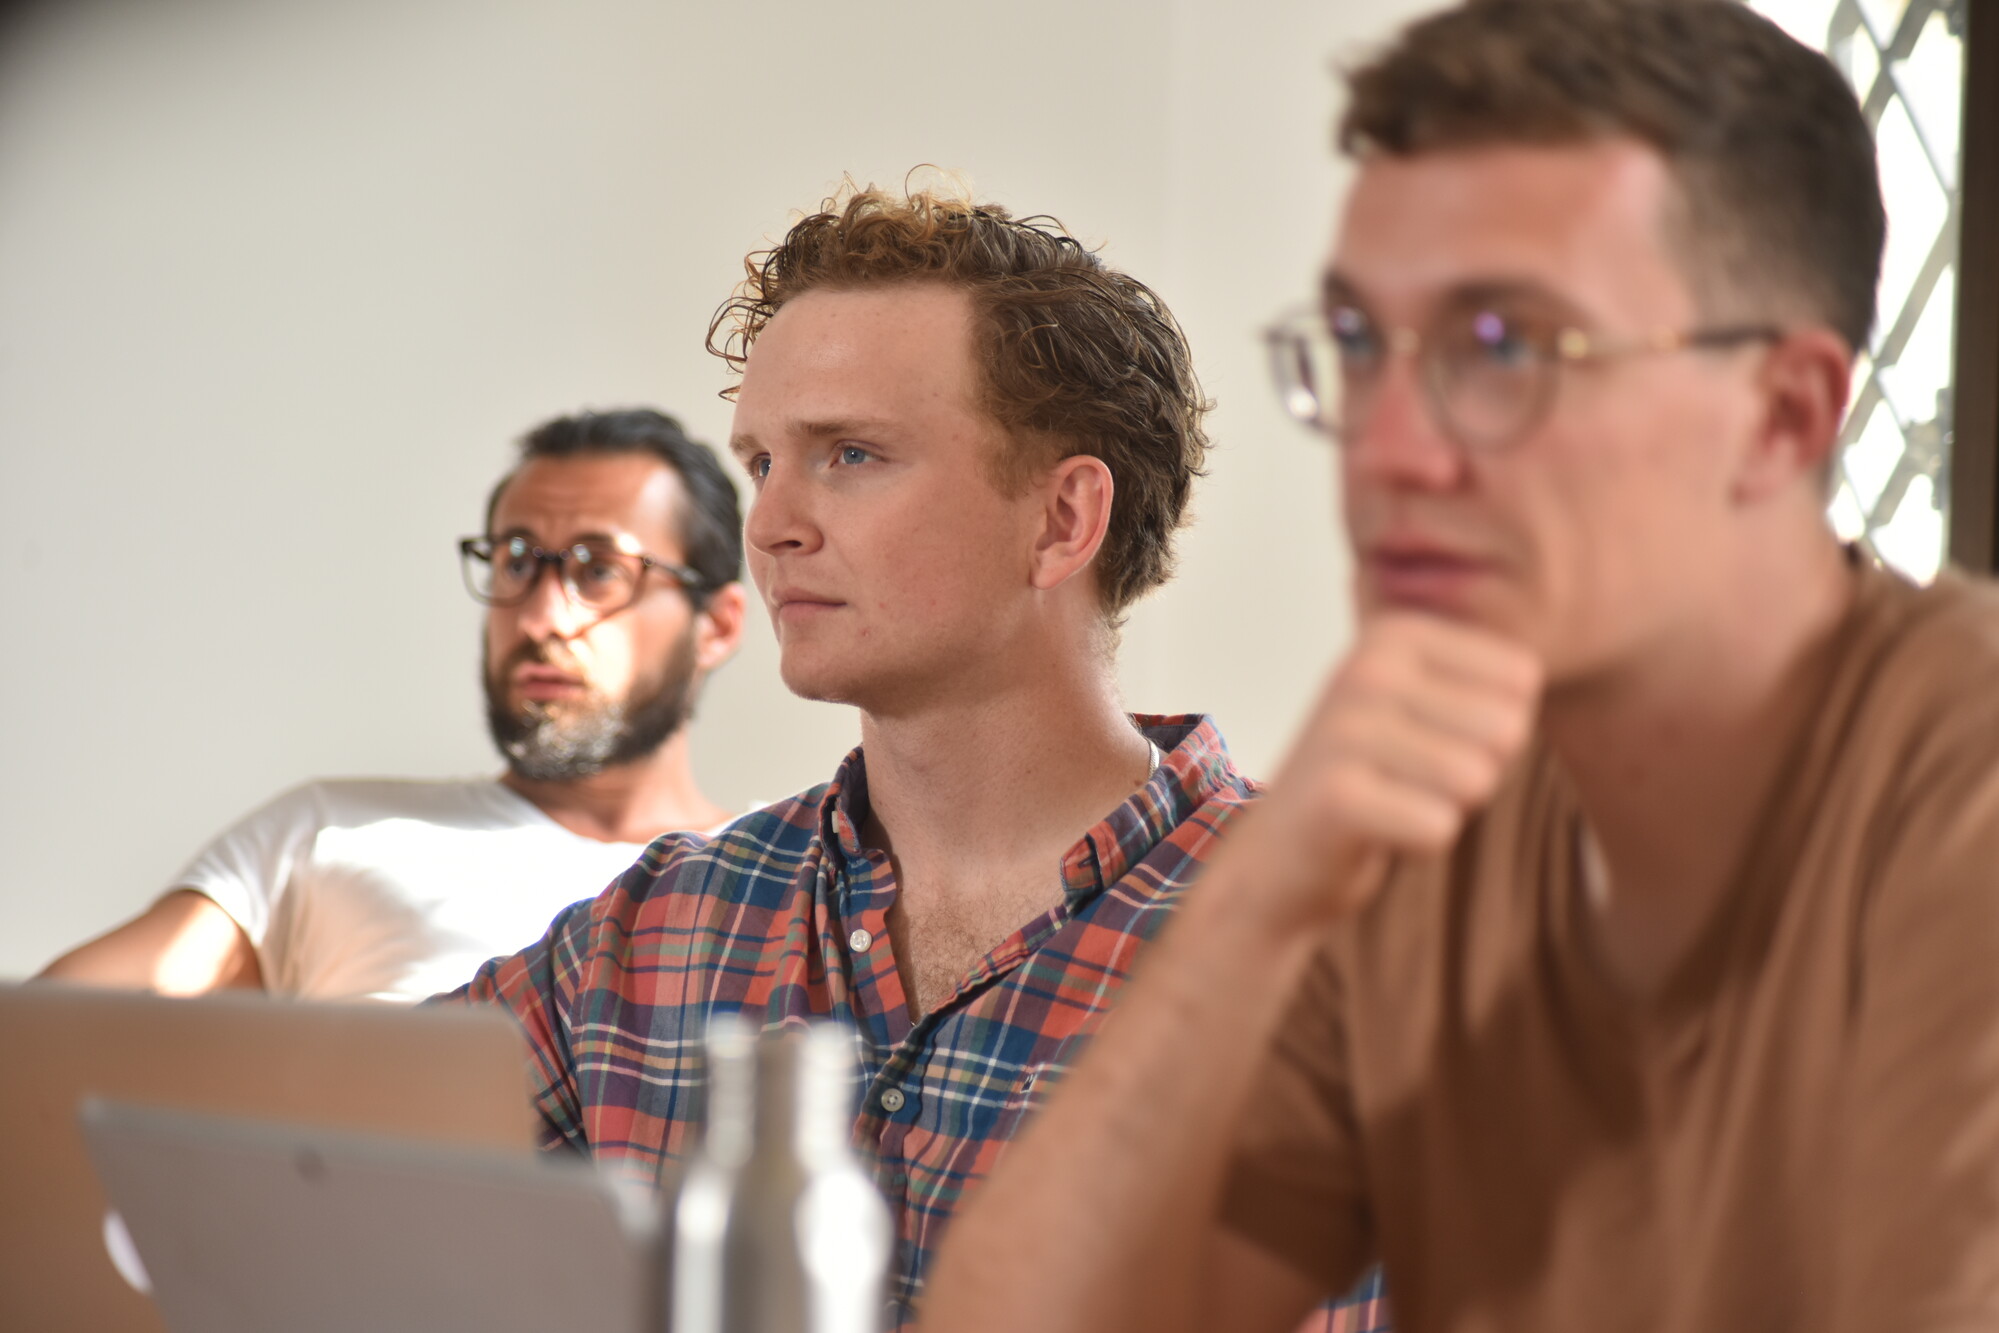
(1076, 499)
(1805, 382)
(718, 626)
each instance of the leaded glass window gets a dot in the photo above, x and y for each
(1906, 61)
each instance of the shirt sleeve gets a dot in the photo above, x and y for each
(583, 973)
(538, 986)
(1293, 1187)
(248, 867)
(1918, 1241)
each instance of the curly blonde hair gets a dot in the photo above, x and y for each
(1074, 356)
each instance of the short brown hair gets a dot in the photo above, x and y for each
(1780, 201)
(1074, 357)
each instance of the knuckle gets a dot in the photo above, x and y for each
(1515, 726)
(1532, 675)
(1344, 789)
(1477, 774)
(1363, 674)
(1437, 825)
(1353, 729)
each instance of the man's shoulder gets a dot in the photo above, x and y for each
(352, 802)
(1909, 783)
(1195, 753)
(1899, 762)
(1191, 798)
(369, 793)
(1952, 625)
(479, 804)
(756, 856)
(1922, 660)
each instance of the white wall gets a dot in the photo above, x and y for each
(278, 282)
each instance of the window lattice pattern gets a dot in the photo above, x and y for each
(1905, 59)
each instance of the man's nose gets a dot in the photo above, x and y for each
(1397, 437)
(781, 516)
(549, 612)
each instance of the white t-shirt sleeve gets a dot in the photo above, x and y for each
(247, 867)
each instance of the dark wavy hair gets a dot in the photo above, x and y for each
(1075, 357)
(711, 522)
(1780, 203)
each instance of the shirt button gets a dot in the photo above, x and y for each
(892, 1100)
(860, 941)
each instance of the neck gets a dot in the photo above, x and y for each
(633, 802)
(967, 789)
(1673, 754)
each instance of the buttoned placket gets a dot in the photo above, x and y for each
(890, 1103)
(859, 893)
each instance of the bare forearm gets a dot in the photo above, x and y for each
(183, 945)
(1101, 1214)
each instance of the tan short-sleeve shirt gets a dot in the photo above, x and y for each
(1798, 1131)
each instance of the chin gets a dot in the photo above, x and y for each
(816, 681)
(1373, 605)
(876, 687)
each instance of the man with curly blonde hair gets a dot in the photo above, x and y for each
(971, 443)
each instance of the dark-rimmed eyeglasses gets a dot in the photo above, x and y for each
(596, 573)
(1489, 371)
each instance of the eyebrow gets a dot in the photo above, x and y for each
(1336, 287)
(522, 530)
(869, 427)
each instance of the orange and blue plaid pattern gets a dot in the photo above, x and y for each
(783, 914)
(1363, 1310)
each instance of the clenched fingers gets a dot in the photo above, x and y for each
(1413, 734)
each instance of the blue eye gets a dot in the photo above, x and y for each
(759, 467)
(853, 454)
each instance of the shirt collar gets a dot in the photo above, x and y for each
(1196, 770)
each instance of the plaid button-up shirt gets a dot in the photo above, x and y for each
(784, 914)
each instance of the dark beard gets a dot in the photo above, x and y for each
(562, 745)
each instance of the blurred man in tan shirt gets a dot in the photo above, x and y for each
(1615, 949)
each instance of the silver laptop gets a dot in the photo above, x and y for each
(445, 1075)
(250, 1227)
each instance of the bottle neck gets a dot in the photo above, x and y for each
(779, 1095)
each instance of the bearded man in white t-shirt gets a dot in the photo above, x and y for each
(610, 566)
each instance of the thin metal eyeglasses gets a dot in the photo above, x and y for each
(597, 573)
(1489, 371)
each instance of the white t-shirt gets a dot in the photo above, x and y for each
(396, 890)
